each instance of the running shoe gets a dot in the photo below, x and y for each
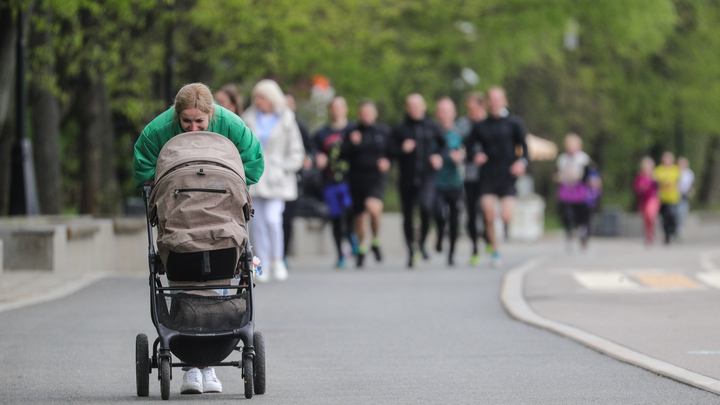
(192, 382)
(376, 251)
(279, 270)
(424, 253)
(210, 381)
(264, 275)
(475, 259)
(411, 260)
(489, 249)
(451, 261)
(360, 260)
(438, 246)
(496, 259)
(355, 244)
(340, 264)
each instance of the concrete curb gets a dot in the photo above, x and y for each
(515, 304)
(61, 291)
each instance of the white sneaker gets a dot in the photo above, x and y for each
(210, 381)
(192, 382)
(279, 270)
(265, 276)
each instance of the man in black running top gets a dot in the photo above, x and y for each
(476, 112)
(499, 137)
(417, 143)
(366, 149)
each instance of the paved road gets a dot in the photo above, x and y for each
(660, 302)
(384, 335)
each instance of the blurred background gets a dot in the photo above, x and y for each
(81, 78)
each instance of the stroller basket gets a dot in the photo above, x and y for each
(203, 311)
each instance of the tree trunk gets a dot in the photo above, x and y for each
(45, 111)
(100, 192)
(7, 84)
(710, 181)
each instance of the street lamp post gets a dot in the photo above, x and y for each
(23, 191)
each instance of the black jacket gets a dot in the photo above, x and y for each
(375, 144)
(415, 168)
(499, 138)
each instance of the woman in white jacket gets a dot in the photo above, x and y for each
(275, 127)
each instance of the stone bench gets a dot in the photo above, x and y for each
(78, 244)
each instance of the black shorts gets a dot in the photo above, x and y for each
(504, 188)
(362, 189)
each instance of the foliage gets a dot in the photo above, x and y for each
(642, 79)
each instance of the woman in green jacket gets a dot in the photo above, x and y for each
(194, 110)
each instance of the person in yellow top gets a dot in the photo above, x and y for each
(667, 176)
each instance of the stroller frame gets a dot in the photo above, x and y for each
(253, 346)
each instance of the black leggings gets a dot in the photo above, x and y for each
(669, 218)
(472, 203)
(288, 216)
(575, 215)
(424, 197)
(341, 229)
(447, 205)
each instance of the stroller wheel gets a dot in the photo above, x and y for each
(142, 365)
(247, 368)
(165, 378)
(259, 362)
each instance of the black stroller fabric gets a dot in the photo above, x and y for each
(205, 311)
(202, 266)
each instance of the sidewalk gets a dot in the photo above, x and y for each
(660, 303)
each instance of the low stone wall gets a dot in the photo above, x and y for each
(73, 244)
(313, 237)
(86, 244)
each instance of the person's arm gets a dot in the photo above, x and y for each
(295, 149)
(520, 135)
(250, 150)
(148, 146)
(439, 139)
(349, 147)
(145, 157)
(394, 143)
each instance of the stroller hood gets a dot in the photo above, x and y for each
(197, 147)
(200, 197)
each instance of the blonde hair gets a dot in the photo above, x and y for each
(194, 95)
(272, 92)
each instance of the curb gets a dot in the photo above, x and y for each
(61, 291)
(515, 304)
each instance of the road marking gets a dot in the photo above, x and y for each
(711, 279)
(705, 352)
(673, 280)
(606, 280)
(516, 305)
(706, 261)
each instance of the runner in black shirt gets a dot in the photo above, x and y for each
(366, 149)
(336, 192)
(475, 104)
(417, 144)
(499, 137)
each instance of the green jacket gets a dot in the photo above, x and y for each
(223, 122)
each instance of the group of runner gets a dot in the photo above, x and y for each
(665, 189)
(354, 157)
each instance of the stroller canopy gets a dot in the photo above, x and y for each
(195, 147)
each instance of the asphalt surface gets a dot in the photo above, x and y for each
(660, 302)
(383, 335)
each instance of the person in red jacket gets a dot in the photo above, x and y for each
(645, 188)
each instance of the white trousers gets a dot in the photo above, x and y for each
(266, 229)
